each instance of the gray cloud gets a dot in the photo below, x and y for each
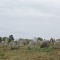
(30, 18)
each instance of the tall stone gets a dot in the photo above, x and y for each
(6, 41)
(52, 41)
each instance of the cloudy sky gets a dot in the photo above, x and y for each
(30, 18)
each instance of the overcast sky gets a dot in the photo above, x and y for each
(30, 18)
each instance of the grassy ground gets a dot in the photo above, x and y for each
(23, 53)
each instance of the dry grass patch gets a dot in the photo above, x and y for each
(24, 54)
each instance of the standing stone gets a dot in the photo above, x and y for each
(35, 39)
(39, 42)
(6, 42)
(14, 45)
(20, 43)
(52, 41)
(31, 45)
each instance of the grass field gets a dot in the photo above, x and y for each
(23, 53)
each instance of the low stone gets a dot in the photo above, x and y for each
(57, 45)
(31, 45)
(14, 45)
(44, 44)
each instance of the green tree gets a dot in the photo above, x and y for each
(4, 38)
(40, 39)
(0, 39)
(11, 38)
